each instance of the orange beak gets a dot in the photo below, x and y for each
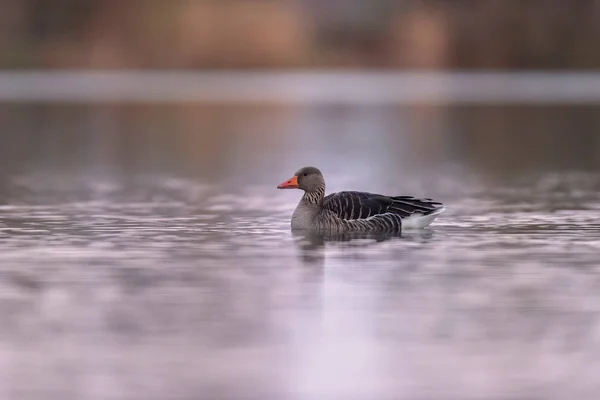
(289, 184)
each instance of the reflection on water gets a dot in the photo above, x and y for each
(144, 258)
(311, 245)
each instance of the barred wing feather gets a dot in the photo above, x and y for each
(362, 205)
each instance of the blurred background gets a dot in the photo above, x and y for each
(147, 254)
(183, 34)
(481, 75)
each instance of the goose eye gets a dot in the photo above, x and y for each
(305, 174)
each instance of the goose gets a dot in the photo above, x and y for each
(352, 211)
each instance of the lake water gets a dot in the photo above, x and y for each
(146, 253)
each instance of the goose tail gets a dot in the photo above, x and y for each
(420, 220)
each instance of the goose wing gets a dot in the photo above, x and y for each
(361, 205)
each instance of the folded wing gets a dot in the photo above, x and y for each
(362, 205)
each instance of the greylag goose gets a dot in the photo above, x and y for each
(355, 211)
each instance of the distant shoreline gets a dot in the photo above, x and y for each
(300, 86)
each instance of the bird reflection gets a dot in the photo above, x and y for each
(312, 245)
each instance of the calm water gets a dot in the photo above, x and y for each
(146, 254)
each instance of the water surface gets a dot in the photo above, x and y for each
(146, 254)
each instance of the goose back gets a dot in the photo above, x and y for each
(362, 205)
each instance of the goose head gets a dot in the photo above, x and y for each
(309, 179)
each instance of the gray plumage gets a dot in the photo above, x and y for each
(350, 211)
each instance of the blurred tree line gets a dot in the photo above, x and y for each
(485, 34)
